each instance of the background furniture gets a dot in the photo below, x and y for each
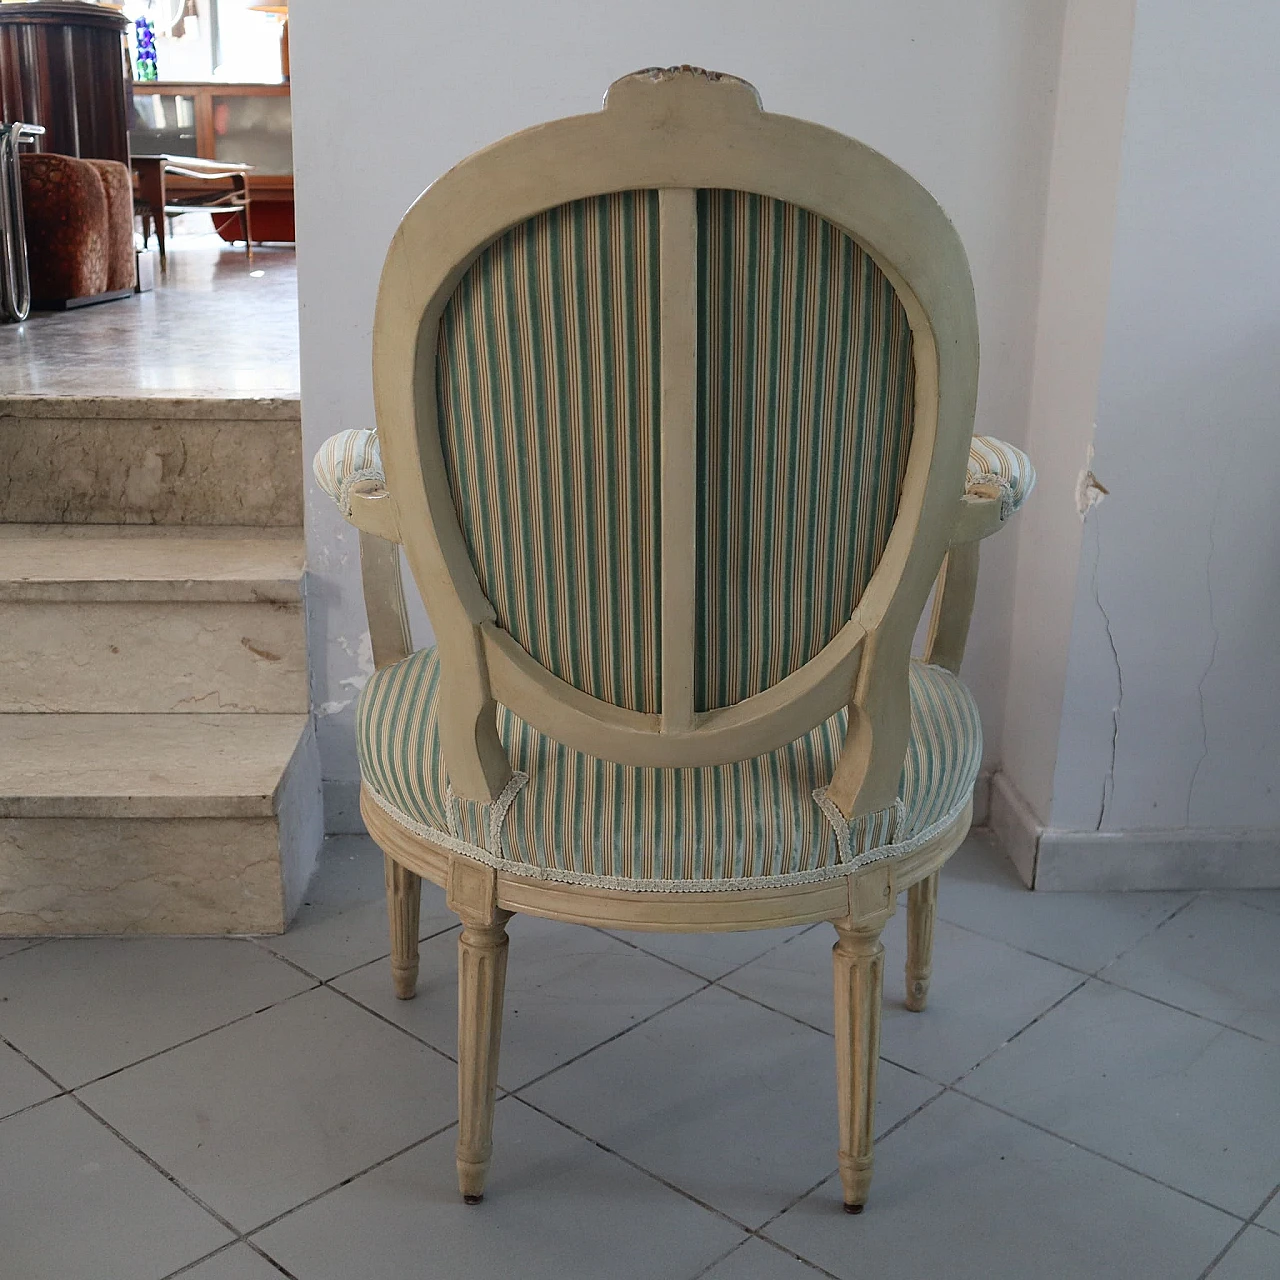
(247, 124)
(213, 186)
(78, 217)
(65, 66)
(675, 412)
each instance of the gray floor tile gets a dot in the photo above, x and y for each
(726, 1100)
(556, 1207)
(980, 890)
(79, 1205)
(263, 1114)
(1217, 958)
(82, 1007)
(21, 1085)
(758, 1260)
(1191, 1103)
(237, 1263)
(568, 988)
(1255, 1256)
(963, 1192)
(982, 993)
(711, 955)
(342, 922)
(1263, 899)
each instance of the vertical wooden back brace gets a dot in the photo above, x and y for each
(678, 267)
(677, 131)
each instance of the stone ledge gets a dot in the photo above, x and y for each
(239, 406)
(146, 766)
(94, 563)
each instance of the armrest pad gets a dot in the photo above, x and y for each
(999, 470)
(348, 459)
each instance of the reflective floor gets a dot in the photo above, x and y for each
(215, 324)
(1093, 1092)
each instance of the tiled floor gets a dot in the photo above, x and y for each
(215, 324)
(1094, 1092)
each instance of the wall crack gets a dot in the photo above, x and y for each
(1213, 652)
(1109, 780)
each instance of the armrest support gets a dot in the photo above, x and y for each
(999, 479)
(384, 600)
(953, 607)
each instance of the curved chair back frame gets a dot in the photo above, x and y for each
(677, 131)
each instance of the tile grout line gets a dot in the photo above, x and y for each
(879, 1138)
(187, 1268)
(1101, 1155)
(773, 1244)
(627, 1160)
(337, 1186)
(1244, 1226)
(617, 1035)
(1151, 933)
(159, 1168)
(259, 941)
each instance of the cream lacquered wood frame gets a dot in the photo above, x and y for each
(675, 130)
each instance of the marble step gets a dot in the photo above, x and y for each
(204, 824)
(134, 618)
(224, 460)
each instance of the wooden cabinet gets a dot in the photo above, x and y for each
(66, 66)
(241, 123)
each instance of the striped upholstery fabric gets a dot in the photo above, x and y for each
(548, 402)
(346, 460)
(547, 393)
(587, 820)
(805, 403)
(996, 467)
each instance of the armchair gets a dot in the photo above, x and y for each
(675, 407)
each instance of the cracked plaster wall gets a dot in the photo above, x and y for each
(961, 96)
(1172, 710)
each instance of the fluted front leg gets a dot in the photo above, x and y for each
(404, 896)
(859, 981)
(482, 975)
(922, 909)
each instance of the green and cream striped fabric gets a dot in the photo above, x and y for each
(805, 406)
(547, 393)
(345, 460)
(994, 464)
(548, 369)
(588, 820)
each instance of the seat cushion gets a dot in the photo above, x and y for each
(998, 469)
(345, 460)
(117, 185)
(64, 206)
(569, 816)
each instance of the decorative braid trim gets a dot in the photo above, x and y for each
(1004, 486)
(857, 837)
(454, 844)
(347, 486)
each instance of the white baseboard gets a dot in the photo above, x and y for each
(1015, 828)
(1049, 858)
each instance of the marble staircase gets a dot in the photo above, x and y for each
(158, 767)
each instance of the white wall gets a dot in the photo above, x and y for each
(1070, 322)
(1178, 603)
(961, 95)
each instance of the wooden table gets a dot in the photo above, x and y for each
(175, 184)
